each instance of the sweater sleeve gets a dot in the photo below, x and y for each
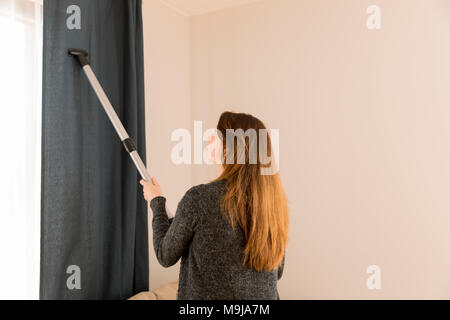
(172, 236)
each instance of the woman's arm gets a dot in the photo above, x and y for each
(172, 237)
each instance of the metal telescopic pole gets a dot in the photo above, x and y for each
(128, 143)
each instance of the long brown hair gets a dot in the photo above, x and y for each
(254, 201)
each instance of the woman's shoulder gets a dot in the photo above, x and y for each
(210, 189)
(203, 197)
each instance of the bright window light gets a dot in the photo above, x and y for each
(20, 126)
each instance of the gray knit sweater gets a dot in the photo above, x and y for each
(211, 251)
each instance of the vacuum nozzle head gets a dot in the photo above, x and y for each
(80, 55)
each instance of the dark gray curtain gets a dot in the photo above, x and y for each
(93, 214)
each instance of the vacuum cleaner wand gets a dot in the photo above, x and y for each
(128, 143)
(80, 55)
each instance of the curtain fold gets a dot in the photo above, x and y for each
(94, 236)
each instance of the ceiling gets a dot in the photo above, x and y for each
(196, 7)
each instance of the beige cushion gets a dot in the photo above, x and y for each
(145, 295)
(165, 292)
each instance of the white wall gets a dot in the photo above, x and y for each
(167, 96)
(364, 128)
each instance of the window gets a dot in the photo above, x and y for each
(20, 126)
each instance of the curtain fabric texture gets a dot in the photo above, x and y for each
(94, 236)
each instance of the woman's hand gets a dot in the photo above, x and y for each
(151, 190)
